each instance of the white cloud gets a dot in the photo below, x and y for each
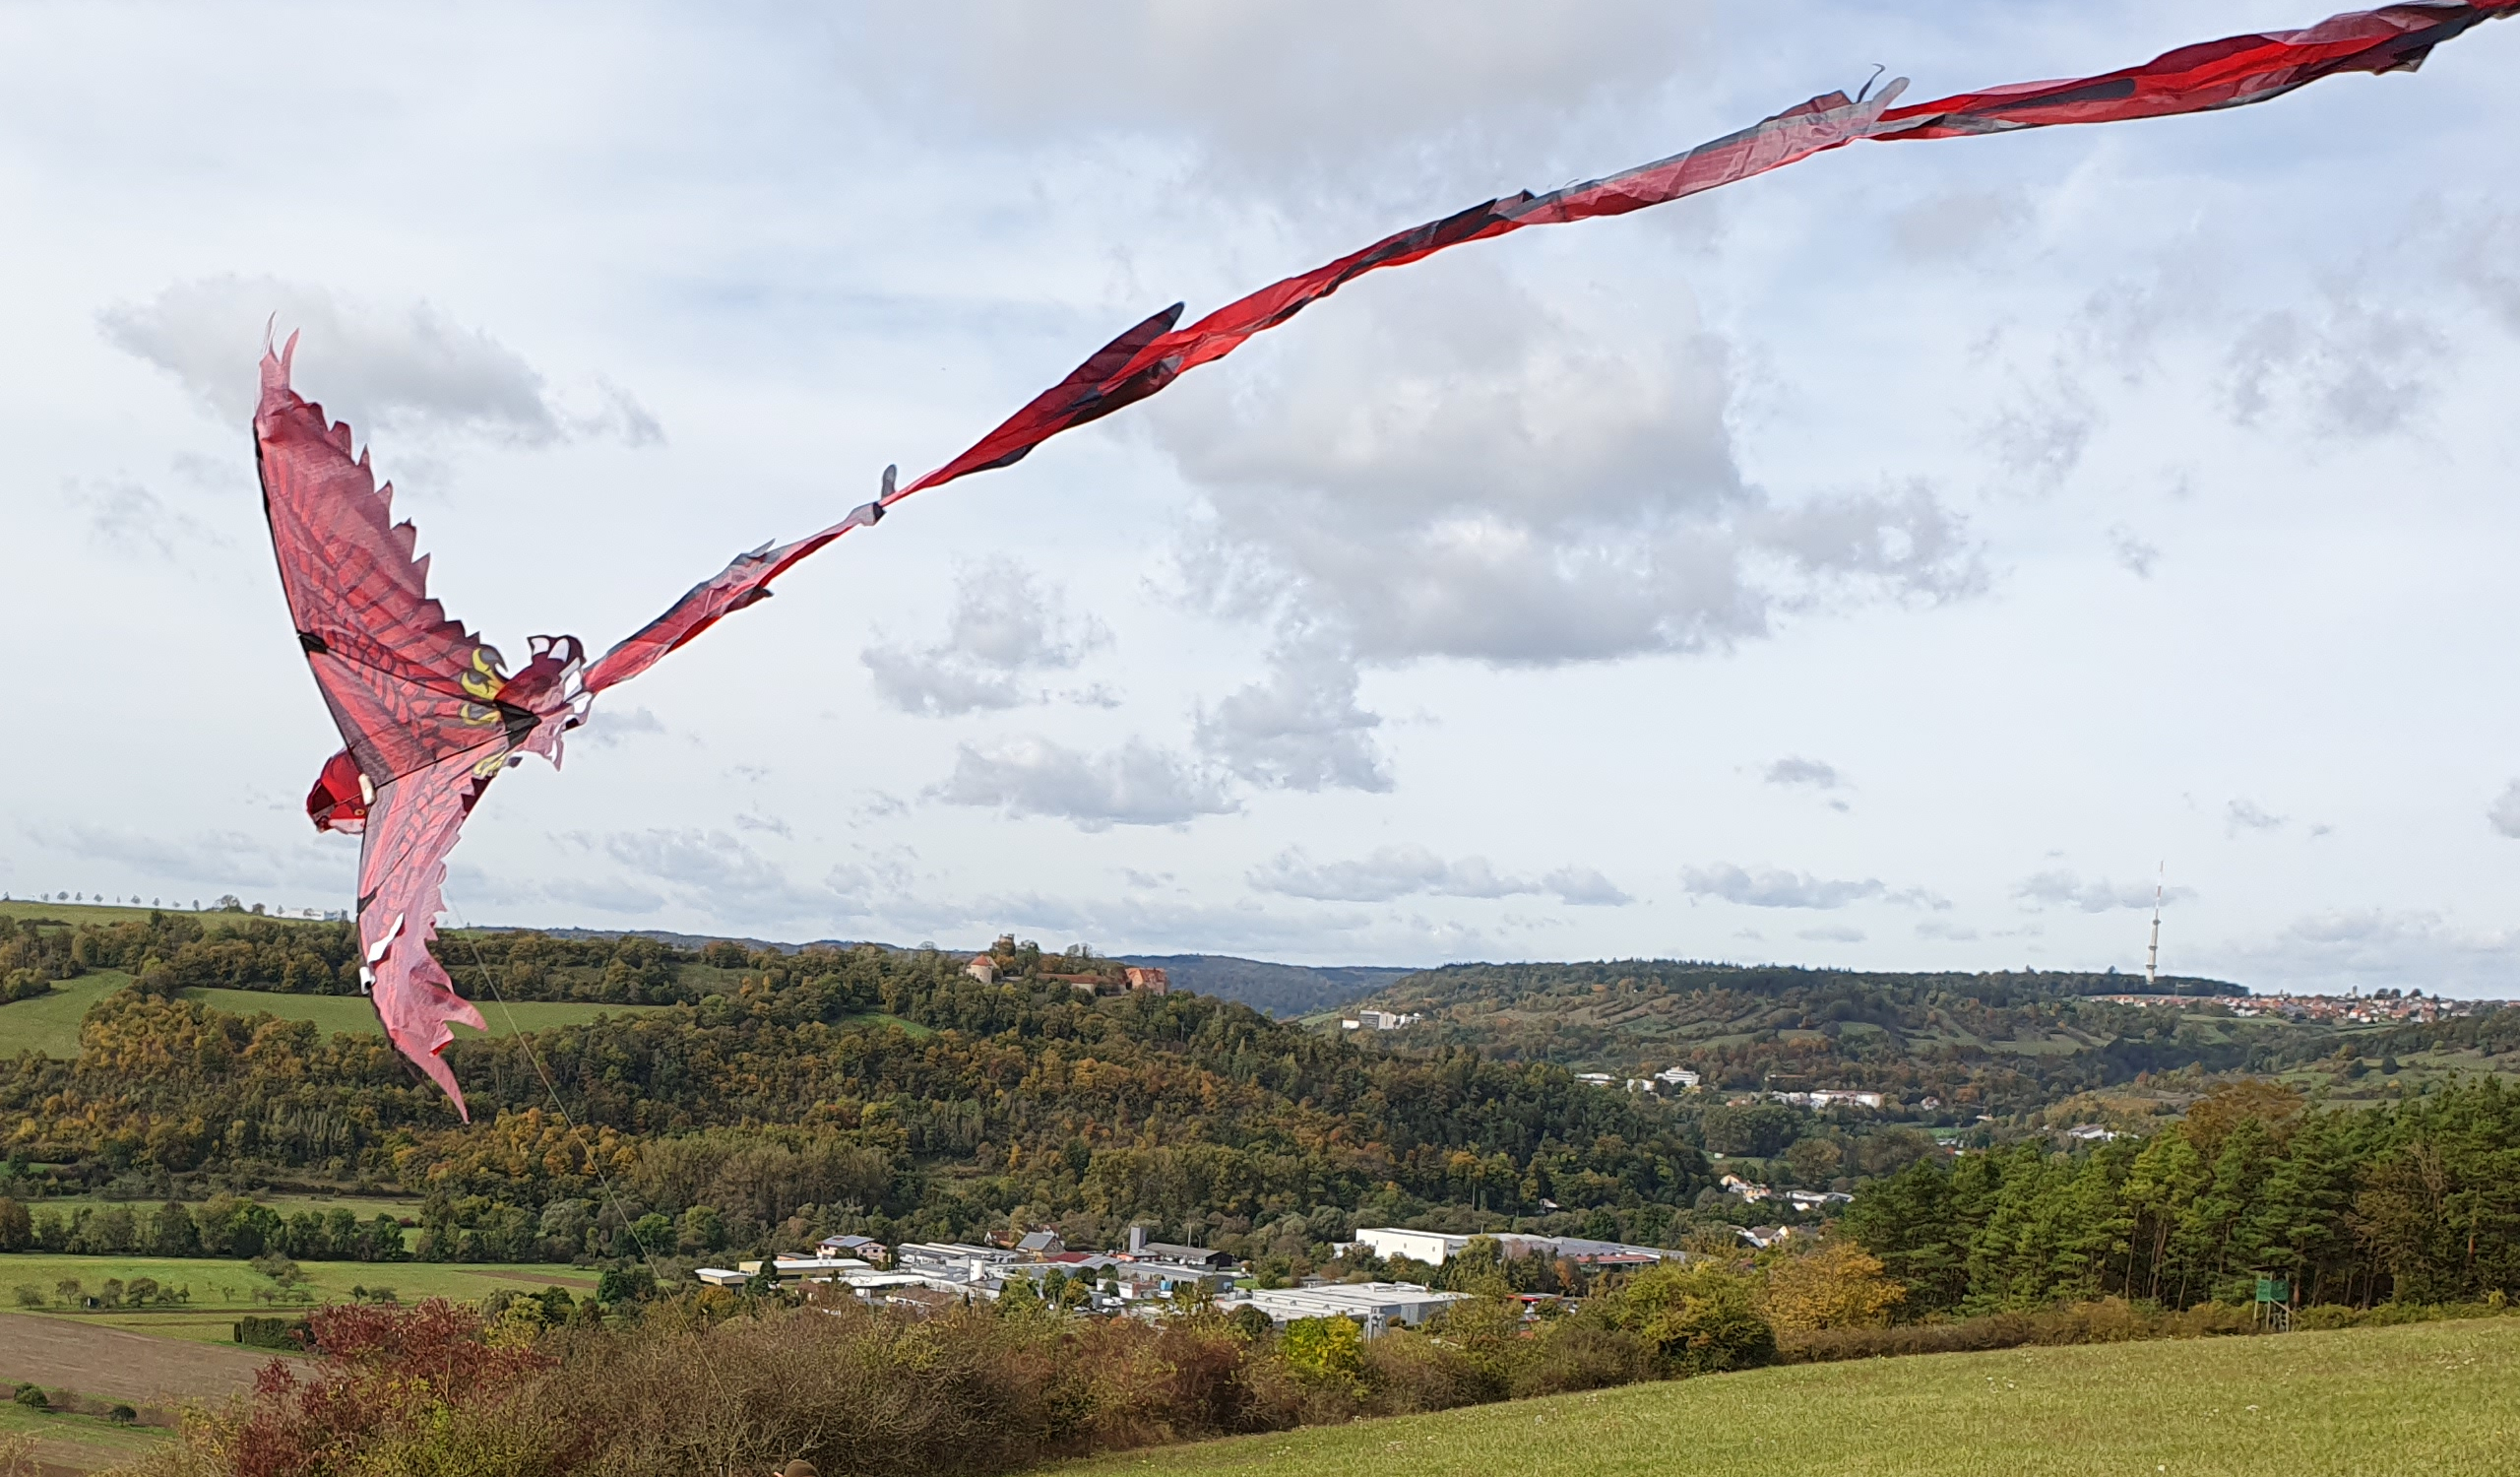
(2368, 948)
(1831, 934)
(1776, 887)
(1006, 624)
(1136, 785)
(1396, 871)
(1454, 466)
(2248, 816)
(390, 367)
(2065, 889)
(1299, 727)
(2504, 813)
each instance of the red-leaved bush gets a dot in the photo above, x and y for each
(384, 1369)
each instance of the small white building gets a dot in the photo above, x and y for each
(1680, 1078)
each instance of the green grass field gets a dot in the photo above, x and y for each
(227, 1288)
(110, 913)
(334, 1013)
(363, 1206)
(85, 1440)
(49, 1024)
(2425, 1398)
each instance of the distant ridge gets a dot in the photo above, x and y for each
(1281, 990)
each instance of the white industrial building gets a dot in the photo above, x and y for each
(1435, 1248)
(1376, 1305)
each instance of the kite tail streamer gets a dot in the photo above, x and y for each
(2233, 71)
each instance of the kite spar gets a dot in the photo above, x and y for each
(429, 714)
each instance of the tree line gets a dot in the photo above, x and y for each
(2414, 1202)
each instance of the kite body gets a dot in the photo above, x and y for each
(429, 715)
(427, 711)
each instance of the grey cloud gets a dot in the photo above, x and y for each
(1255, 88)
(1453, 467)
(717, 872)
(768, 824)
(1137, 785)
(1936, 929)
(2040, 438)
(1396, 871)
(606, 728)
(2132, 553)
(130, 519)
(2066, 889)
(1811, 773)
(2248, 816)
(1832, 934)
(607, 895)
(2348, 368)
(212, 861)
(1957, 225)
(1006, 623)
(2373, 946)
(2504, 813)
(1298, 728)
(377, 366)
(1776, 887)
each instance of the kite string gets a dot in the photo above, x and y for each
(530, 1055)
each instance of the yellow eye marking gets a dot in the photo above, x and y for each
(487, 676)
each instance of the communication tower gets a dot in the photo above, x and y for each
(2153, 953)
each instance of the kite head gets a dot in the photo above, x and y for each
(340, 796)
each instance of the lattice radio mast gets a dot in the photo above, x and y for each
(2153, 953)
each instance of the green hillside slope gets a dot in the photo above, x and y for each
(2432, 1398)
(1997, 1043)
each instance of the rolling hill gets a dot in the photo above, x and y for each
(2437, 1397)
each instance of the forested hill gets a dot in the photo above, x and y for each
(2002, 1042)
(770, 1094)
(1280, 990)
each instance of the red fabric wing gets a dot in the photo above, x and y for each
(421, 703)
(2229, 73)
(406, 686)
(411, 825)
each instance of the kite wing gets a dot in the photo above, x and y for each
(2229, 73)
(428, 712)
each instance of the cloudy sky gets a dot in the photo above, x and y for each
(1890, 562)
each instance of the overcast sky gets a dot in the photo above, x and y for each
(1888, 563)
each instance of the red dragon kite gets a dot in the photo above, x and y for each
(430, 713)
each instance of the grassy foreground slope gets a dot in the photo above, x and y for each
(2426, 1398)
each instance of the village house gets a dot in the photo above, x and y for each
(866, 1248)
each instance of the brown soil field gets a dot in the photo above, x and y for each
(120, 1364)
